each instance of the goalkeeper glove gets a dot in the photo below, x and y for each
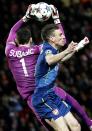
(29, 12)
(55, 14)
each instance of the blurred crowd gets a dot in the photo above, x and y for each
(75, 75)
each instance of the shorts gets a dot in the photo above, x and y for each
(49, 105)
(42, 121)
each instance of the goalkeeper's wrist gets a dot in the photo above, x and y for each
(57, 21)
(25, 19)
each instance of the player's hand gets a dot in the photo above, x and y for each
(55, 14)
(82, 43)
(86, 41)
(29, 12)
(71, 47)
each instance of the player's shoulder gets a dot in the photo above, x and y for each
(11, 43)
(36, 49)
(47, 48)
(35, 46)
(9, 46)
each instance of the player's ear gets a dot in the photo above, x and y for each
(30, 40)
(52, 38)
(16, 41)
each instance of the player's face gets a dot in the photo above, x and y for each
(59, 38)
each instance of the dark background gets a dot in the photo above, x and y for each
(75, 75)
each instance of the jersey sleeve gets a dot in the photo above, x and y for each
(37, 49)
(45, 51)
(14, 29)
(48, 49)
(10, 42)
(10, 46)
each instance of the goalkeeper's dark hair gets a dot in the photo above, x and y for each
(47, 31)
(23, 35)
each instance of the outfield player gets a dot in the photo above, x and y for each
(46, 102)
(22, 56)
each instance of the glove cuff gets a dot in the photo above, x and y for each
(25, 19)
(57, 21)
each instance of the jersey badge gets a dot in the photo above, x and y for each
(55, 112)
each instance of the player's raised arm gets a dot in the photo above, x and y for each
(52, 59)
(16, 27)
(78, 47)
(82, 43)
(55, 17)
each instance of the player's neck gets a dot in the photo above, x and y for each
(53, 45)
(26, 45)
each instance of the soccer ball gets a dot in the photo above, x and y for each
(42, 11)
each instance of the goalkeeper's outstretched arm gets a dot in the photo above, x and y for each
(55, 17)
(16, 27)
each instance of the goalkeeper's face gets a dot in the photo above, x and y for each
(59, 38)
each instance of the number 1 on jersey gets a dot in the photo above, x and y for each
(24, 67)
